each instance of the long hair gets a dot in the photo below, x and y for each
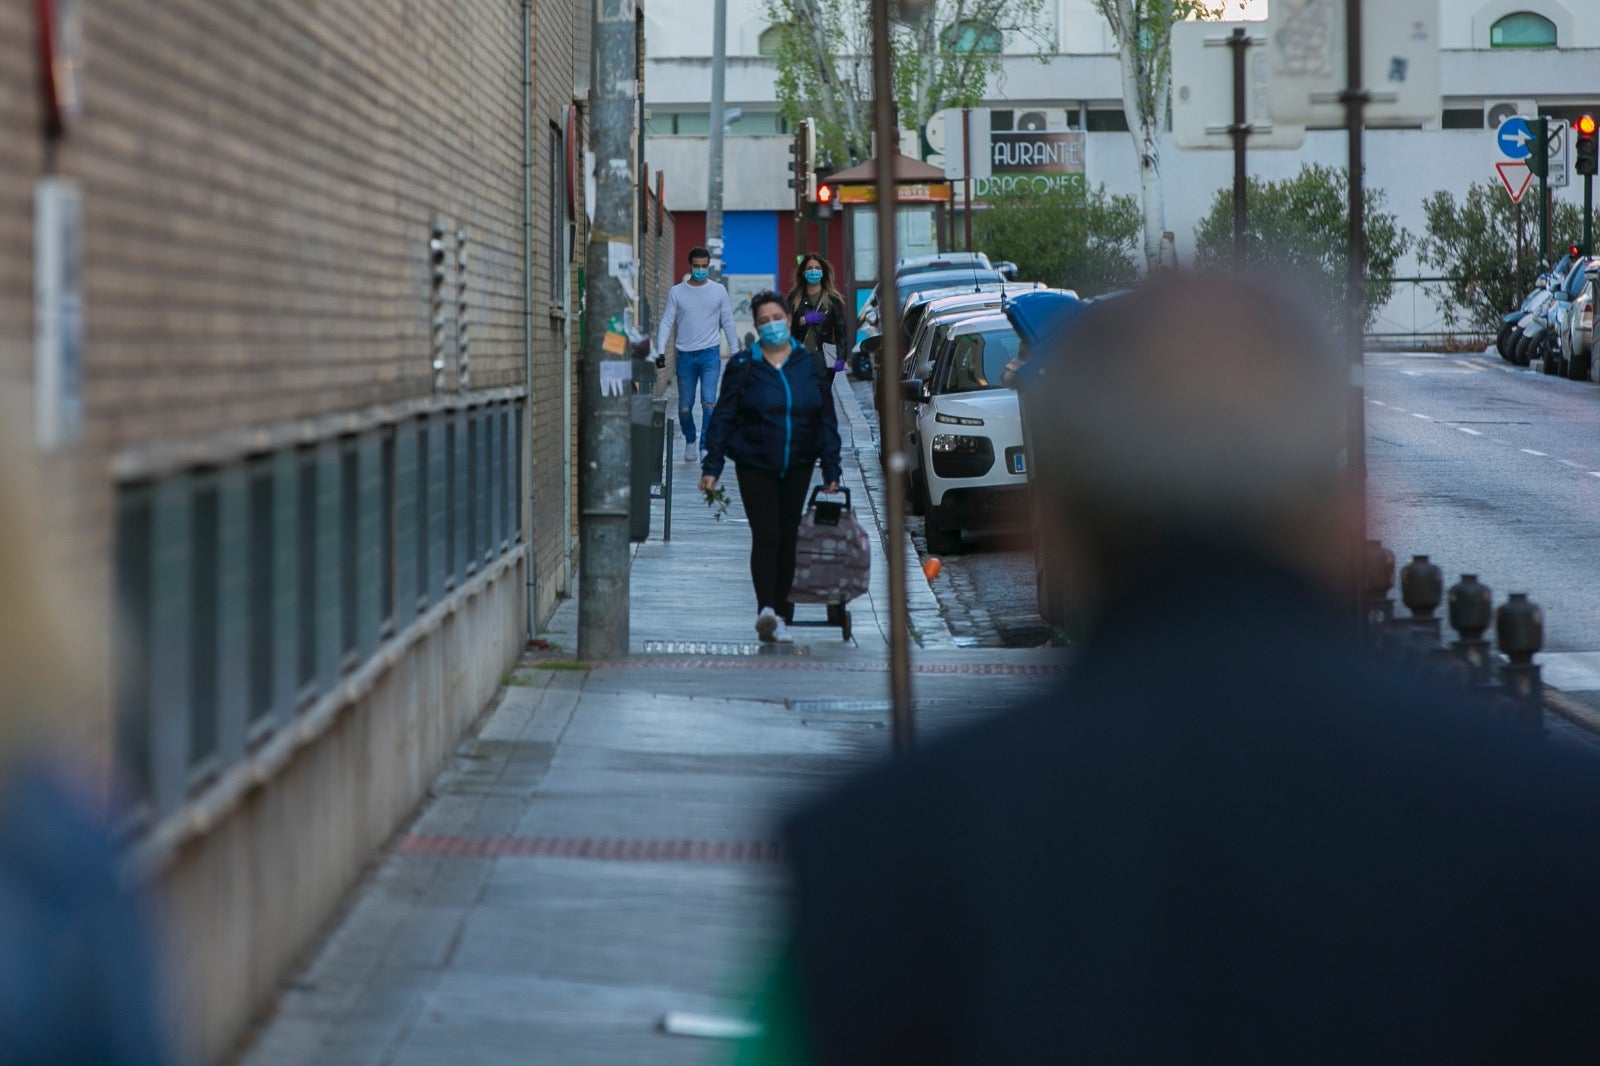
(798, 293)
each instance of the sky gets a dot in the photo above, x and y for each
(1245, 9)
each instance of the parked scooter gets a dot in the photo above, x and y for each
(1514, 342)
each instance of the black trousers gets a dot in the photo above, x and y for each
(773, 505)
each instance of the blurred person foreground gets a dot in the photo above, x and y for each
(1229, 834)
(78, 981)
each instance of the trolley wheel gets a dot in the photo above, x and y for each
(836, 614)
(844, 624)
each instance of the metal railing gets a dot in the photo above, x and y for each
(1413, 317)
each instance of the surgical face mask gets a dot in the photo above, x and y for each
(699, 273)
(813, 277)
(774, 334)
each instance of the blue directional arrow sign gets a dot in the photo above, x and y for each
(1514, 138)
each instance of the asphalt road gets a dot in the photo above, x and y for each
(1483, 467)
(1494, 471)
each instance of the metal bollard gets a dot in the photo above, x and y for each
(1471, 613)
(1379, 579)
(1422, 590)
(1519, 630)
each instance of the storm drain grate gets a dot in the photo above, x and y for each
(854, 666)
(701, 647)
(842, 725)
(605, 848)
(831, 706)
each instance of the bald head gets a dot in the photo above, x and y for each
(1195, 408)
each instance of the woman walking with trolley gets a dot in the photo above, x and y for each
(775, 419)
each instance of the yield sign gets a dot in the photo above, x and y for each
(1516, 177)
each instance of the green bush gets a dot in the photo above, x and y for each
(1085, 242)
(1297, 230)
(1474, 244)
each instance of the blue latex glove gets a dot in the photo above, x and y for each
(812, 318)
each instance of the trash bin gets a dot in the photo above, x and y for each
(648, 415)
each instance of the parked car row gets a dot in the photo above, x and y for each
(1555, 324)
(926, 273)
(961, 424)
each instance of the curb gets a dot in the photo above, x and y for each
(931, 629)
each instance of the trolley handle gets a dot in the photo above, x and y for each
(843, 491)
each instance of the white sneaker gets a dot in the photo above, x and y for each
(689, 451)
(783, 636)
(767, 625)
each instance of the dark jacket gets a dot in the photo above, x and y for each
(829, 331)
(1230, 836)
(773, 421)
(78, 980)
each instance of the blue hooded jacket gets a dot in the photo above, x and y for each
(773, 420)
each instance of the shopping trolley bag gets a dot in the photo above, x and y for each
(833, 557)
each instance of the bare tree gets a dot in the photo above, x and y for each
(1143, 32)
(944, 59)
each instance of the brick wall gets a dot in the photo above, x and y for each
(259, 179)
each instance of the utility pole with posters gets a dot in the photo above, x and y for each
(605, 438)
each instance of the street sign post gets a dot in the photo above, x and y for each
(1398, 53)
(1202, 88)
(1516, 177)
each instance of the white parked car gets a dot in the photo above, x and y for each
(968, 466)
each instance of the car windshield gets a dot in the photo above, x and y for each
(977, 360)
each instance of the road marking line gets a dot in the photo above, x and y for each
(1569, 462)
(1474, 367)
(1402, 410)
(1594, 473)
(1464, 429)
(1530, 451)
(1497, 440)
(1425, 418)
(1379, 403)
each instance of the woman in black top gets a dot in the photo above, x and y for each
(775, 419)
(816, 310)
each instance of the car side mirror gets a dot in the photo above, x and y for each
(914, 390)
(871, 345)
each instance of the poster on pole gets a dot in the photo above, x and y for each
(1399, 62)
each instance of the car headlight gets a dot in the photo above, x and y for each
(955, 444)
(957, 420)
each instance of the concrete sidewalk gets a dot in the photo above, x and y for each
(604, 852)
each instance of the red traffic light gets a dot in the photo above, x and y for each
(1586, 125)
(824, 194)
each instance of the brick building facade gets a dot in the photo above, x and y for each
(330, 323)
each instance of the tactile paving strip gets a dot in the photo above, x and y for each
(614, 850)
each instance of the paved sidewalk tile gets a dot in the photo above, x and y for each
(604, 851)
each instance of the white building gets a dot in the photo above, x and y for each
(1508, 56)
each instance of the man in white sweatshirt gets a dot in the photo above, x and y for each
(702, 313)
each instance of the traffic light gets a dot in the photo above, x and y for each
(823, 209)
(1587, 153)
(803, 164)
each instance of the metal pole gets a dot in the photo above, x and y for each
(524, 496)
(1542, 169)
(1355, 99)
(889, 359)
(719, 64)
(966, 170)
(1588, 214)
(1520, 242)
(1239, 44)
(604, 431)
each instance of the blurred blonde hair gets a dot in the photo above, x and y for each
(49, 660)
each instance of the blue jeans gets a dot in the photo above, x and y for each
(703, 368)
